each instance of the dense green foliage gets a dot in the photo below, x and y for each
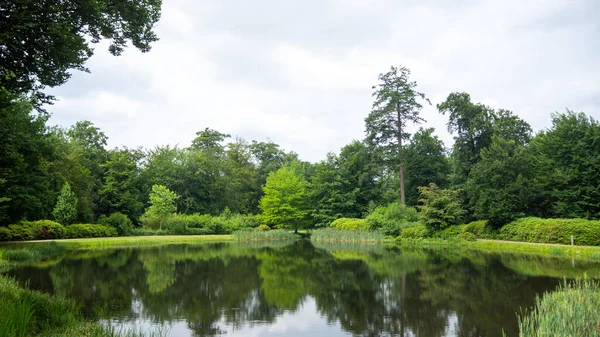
(439, 208)
(66, 206)
(571, 310)
(285, 203)
(89, 231)
(350, 224)
(42, 40)
(584, 232)
(497, 171)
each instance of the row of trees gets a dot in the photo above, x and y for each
(497, 170)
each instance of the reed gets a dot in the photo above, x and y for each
(332, 235)
(572, 310)
(270, 235)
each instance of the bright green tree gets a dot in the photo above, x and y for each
(439, 208)
(285, 200)
(162, 206)
(42, 40)
(66, 206)
(397, 104)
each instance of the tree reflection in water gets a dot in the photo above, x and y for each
(366, 291)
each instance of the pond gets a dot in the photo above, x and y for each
(303, 289)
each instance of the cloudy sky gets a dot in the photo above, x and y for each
(300, 73)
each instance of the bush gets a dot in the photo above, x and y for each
(480, 229)
(450, 232)
(118, 221)
(585, 232)
(349, 224)
(196, 223)
(263, 228)
(36, 230)
(392, 218)
(5, 234)
(415, 232)
(440, 207)
(466, 236)
(90, 231)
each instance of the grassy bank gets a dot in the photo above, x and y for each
(26, 313)
(572, 310)
(587, 253)
(267, 235)
(346, 236)
(128, 241)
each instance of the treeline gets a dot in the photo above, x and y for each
(497, 169)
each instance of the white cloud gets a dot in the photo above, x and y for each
(301, 75)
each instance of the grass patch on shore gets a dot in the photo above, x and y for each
(585, 253)
(572, 310)
(332, 235)
(268, 235)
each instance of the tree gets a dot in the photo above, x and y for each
(121, 191)
(162, 205)
(28, 188)
(426, 162)
(439, 208)
(501, 187)
(66, 206)
(42, 40)
(396, 104)
(473, 125)
(567, 167)
(285, 200)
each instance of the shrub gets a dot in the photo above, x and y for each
(5, 234)
(263, 228)
(90, 231)
(440, 207)
(349, 224)
(449, 232)
(480, 229)
(118, 221)
(585, 232)
(36, 230)
(392, 218)
(467, 236)
(415, 232)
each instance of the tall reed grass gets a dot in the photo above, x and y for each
(332, 235)
(270, 235)
(572, 310)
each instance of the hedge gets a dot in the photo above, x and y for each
(585, 232)
(89, 231)
(416, 232)
(33, 230)
(350, 224)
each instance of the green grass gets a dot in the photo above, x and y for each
(570, 311)
(332, 235)
(584, 253)
(128, 241)
(25, 313)
(270, 235)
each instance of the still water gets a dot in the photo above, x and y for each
(302, 289)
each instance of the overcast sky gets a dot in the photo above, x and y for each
(300, 73)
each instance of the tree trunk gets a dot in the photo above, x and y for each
(402, 196)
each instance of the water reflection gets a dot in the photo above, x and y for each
(301, 290)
